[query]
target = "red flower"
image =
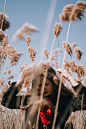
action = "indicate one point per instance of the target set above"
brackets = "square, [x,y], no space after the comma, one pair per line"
[46,116]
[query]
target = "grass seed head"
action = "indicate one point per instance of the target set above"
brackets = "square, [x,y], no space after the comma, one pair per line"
[28,40]
[57,29]
[46,53]
[1,35]
[67,10]
[78,53]
[67,47]
[6,24]
[78,11]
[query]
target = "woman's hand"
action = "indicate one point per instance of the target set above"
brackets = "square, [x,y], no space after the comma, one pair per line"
[33,69]
[66,74]
[26,72]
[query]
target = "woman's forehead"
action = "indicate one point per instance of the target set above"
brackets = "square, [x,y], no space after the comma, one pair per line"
[40,80]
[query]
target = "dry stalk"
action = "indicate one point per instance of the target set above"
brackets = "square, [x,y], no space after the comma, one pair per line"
[3,15]
[59,90]
[5,66]
[43,84]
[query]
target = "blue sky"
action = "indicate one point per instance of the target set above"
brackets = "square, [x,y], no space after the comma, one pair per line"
[37,13]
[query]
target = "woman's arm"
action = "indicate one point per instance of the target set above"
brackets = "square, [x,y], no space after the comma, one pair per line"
[9,99]
[79,101]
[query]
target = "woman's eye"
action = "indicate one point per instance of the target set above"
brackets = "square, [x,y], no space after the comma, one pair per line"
[46,84]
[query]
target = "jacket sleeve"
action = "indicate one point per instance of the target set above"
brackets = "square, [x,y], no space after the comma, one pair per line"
[79,102]
[9,99]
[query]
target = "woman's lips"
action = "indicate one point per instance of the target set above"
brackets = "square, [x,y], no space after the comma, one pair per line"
[45,92]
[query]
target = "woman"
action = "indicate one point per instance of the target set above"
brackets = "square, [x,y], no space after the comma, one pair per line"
[67,99]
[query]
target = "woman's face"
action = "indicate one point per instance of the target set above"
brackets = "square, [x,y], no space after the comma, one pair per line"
[48,87]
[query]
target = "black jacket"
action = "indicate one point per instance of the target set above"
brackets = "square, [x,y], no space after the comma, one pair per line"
[67,102]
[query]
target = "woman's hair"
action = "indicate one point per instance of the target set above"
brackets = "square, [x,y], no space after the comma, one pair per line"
[51,75]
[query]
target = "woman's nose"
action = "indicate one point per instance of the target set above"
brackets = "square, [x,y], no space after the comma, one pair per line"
[45,88]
